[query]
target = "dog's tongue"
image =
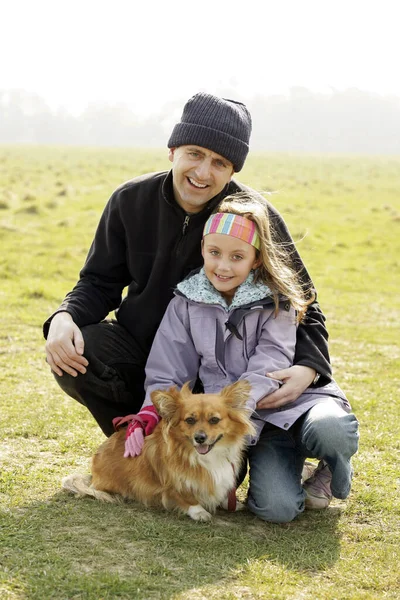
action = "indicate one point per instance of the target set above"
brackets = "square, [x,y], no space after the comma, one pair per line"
[202,448]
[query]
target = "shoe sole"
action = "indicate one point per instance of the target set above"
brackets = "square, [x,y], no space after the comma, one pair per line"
[316,503]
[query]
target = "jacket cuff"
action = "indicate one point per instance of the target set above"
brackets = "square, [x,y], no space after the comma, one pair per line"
[321,370]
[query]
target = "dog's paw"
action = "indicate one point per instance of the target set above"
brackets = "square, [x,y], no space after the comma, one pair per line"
[198,513]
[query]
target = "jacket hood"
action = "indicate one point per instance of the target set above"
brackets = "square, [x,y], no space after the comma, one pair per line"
[198,288]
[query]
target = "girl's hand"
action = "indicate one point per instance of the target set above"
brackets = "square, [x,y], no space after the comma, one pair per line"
[142,424]
[294,380]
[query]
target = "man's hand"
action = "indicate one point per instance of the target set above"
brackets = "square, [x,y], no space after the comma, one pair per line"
[65,345]
[295,380]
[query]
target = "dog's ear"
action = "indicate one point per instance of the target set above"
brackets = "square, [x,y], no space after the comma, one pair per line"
[186,392]
[166,402]
[236,396]
[237,393]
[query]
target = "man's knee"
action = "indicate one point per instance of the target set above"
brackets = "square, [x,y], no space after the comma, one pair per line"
[66,382]
[73,386]
[105,397]
[113,384]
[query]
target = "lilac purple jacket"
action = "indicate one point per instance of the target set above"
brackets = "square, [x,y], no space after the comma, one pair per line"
[201,336]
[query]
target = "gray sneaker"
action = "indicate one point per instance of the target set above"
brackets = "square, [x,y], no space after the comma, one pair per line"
[318,487]
[308,470]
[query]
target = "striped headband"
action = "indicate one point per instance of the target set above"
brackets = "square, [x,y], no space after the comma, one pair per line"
[234,225]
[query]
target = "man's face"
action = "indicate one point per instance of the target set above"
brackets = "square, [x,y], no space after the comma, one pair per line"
[198,175]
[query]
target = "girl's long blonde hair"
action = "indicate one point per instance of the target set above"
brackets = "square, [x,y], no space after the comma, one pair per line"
[276,269]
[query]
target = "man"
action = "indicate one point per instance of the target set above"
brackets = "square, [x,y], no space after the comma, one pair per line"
[148,239]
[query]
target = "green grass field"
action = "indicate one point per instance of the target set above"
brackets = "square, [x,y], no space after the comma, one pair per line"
[345,214]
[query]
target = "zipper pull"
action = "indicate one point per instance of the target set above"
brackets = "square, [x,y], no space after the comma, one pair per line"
[185,224]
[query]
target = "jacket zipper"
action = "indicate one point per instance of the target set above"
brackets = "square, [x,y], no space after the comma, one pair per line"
[184,228]
[185,224]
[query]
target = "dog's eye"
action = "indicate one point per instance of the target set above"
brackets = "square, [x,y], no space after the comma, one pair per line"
[190,420]
[214,420]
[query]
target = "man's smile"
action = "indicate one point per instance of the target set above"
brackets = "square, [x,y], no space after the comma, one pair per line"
[196,184]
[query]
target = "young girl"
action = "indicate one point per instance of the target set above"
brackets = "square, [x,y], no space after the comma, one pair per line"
[235,319]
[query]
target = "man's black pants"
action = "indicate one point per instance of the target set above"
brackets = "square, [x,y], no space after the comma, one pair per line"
[113,385]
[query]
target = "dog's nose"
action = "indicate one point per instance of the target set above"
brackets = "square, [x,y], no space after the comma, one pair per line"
[200,437]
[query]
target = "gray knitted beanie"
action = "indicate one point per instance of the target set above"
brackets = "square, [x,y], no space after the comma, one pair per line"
[218,124]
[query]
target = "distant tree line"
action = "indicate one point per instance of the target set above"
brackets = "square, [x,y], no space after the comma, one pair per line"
[350,121]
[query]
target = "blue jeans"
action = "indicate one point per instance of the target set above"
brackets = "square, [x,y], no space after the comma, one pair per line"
[326,432]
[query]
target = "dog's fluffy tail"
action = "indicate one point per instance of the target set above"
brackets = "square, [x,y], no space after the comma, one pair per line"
[81,486]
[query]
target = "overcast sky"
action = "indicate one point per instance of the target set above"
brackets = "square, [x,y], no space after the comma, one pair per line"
[146,53]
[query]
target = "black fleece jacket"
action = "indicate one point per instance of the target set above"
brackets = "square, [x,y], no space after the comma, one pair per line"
[145,242]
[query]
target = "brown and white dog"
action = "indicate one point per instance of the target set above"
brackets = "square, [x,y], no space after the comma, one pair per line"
[188,463]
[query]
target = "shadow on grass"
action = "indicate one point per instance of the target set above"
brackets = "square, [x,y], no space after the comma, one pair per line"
[79,548]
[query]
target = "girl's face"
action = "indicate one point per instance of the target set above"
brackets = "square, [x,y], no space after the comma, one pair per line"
[227,262]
